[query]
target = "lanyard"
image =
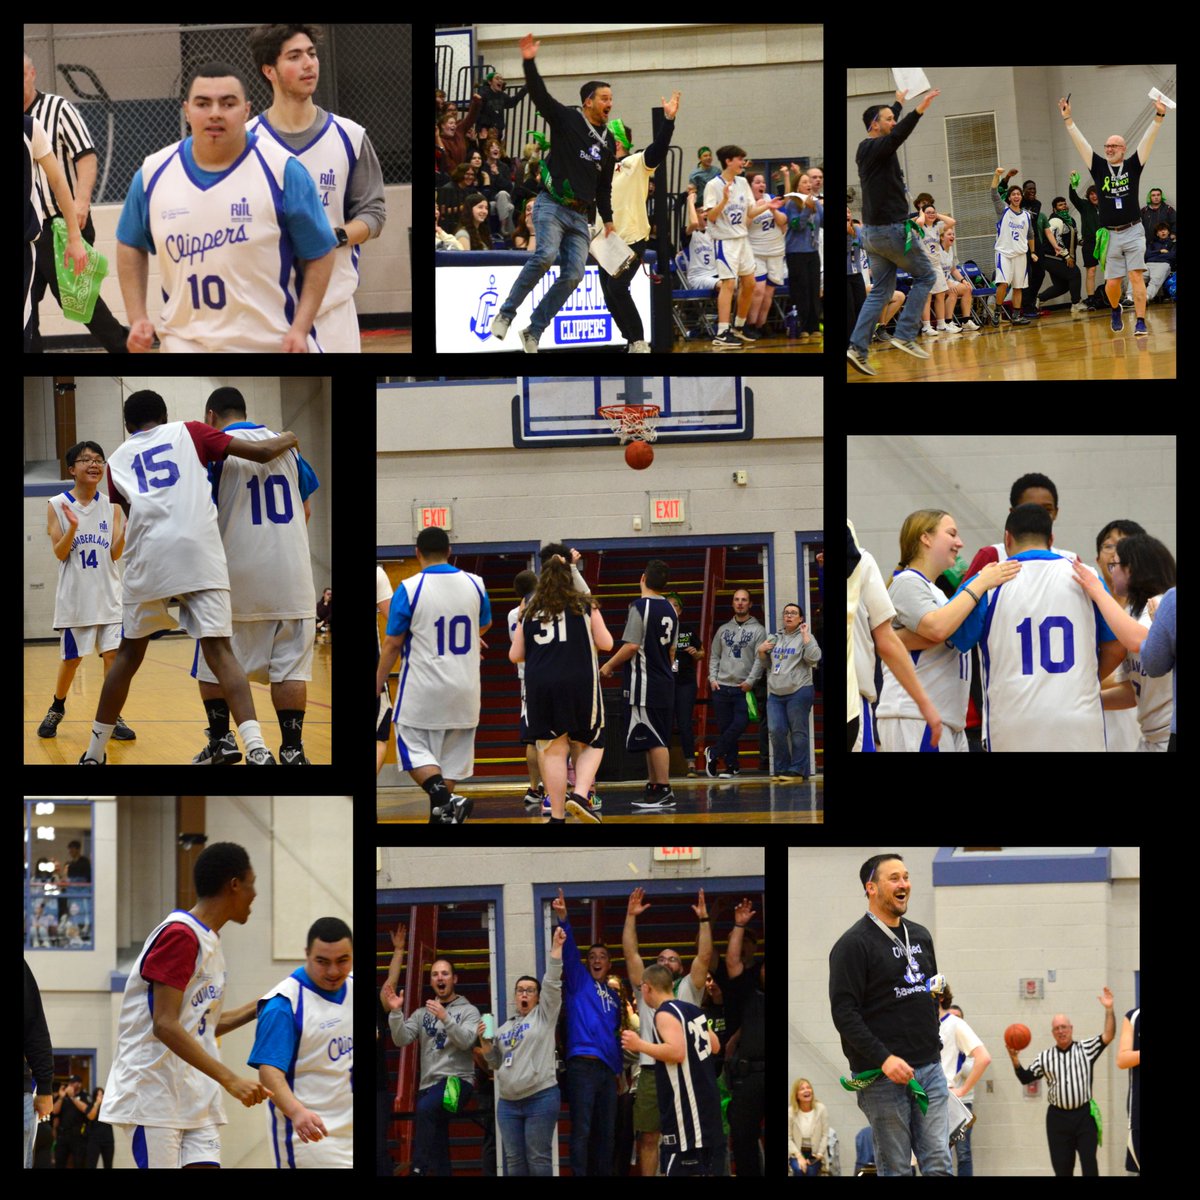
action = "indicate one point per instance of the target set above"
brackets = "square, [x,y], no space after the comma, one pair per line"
[905,946]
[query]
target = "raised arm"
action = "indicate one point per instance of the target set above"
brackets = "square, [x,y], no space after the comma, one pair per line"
[1081,143]
[629,942]
[703,962]
[1143,150]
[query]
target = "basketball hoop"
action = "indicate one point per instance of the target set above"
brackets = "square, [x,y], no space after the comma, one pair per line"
[632,421]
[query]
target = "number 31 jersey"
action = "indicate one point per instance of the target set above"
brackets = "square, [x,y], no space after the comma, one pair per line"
[172,543]
[1041,690]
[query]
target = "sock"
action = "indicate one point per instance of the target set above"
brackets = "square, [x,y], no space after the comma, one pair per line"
[251,736]
[218,717]
[60,704]
[291,725]
[722,327]
[439,793]
[100,736]
[557,821]
[739,322]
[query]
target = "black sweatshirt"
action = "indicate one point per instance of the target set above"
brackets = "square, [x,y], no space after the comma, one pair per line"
[876,1010]
[883,197]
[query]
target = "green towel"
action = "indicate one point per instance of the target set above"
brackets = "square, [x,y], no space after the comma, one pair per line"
[79,292]
[863,1080]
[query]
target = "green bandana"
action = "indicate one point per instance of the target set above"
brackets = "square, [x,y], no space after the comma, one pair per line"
[864,1079]
[543,144]
[617,126]
[1101,247]
[1096,1118]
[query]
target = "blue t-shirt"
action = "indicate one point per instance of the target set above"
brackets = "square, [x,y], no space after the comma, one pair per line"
[276,1035]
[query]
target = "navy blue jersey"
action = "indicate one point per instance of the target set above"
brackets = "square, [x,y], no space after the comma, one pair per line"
[689,1105]
[653,627]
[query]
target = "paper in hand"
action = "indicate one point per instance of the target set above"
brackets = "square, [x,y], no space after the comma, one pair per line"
[613,255]
[910,80]
[1155,94]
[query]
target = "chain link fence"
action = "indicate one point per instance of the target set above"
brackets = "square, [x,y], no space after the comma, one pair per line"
[127,82]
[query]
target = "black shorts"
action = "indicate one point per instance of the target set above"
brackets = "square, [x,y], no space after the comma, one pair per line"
[552,711]
[648,729]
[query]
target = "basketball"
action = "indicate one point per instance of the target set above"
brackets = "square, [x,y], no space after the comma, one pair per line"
[1017,1037]
[639,455]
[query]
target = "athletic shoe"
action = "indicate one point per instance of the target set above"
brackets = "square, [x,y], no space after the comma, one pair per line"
[582,807]
[1079,310]
[929,331]
[1021,319]
[910,348]
[293,756]
[122,732]
[500,328]
[534,796]
[220,751]
[656,799]
[859,359]
[727,341]
[881,338]
[710,768]
[1139,329]
[639,347]
[546,810]
[262,757]
[952,328]
[49,727]
[1117,324]
[84,761]
[740,334]
[752,333]
[1126,301]
[596,802]
[454,813]
[529,342]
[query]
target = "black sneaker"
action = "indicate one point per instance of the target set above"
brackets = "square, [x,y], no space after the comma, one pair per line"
[49,726]
[727,341]
[293,756]
[262,757]
[122,732]
[656,799]
[84,761]
[454,813]
[583,808]
[710,768]
[219,752]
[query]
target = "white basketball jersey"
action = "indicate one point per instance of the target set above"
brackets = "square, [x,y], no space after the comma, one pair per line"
[732,221]
[172,544]
[261,518]
[322,1076]
[1013,236]
[1155,696]
[149,1084]
[942,671]
[330,159]
[226,259]
[1038,650]
[766,238]
[89,584]
[439,681]
[1003,554]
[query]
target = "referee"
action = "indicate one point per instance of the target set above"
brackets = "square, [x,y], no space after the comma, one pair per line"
[72,147]
[1070,1126]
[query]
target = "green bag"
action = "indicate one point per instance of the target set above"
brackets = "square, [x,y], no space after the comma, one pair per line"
[450,1094]
[80,292]
[1099,1123]
[752,705]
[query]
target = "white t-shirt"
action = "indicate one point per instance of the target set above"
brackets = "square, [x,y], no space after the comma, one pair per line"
[732,223]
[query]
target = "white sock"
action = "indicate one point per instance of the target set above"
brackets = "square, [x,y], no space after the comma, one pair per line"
[100,736]
[251,736]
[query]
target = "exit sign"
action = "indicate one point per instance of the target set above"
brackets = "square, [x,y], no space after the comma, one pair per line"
[677,853]
[667,510]
[429,516]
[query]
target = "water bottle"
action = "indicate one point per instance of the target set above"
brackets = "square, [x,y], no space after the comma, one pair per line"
[793,322]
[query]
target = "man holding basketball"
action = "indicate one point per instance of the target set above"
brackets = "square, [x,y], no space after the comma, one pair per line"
[1117,177]
[881,972]
[1071,1124]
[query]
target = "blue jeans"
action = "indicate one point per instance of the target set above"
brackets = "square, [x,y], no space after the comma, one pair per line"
[557,228]
[884,245]
[431,1128]
[788,717]
[729,707]
[898,1128]
[592,1095]
[527,1127]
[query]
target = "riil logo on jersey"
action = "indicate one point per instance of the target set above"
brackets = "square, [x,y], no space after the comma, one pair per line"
[239,212]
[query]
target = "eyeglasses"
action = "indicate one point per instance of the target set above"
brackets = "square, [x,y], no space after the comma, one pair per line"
[87,462]
[1114,145]
[527,991]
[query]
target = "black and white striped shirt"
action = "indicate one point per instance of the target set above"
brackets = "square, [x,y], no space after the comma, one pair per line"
[69,137]
[1069,1072]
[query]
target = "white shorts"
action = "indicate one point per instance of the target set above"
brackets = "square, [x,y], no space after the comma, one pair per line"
[157,1148]
[201,614]
[904,735]
[269,651]
[172,343]
[734,257]
[337,329]
[1012,269]
[770,269]
[80,640]
[288,1152]
[453,750]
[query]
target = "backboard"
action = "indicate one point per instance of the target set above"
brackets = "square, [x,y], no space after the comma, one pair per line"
[564,411]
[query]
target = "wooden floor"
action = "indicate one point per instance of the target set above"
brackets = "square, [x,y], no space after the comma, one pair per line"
[163,708]
[1058,346]
[755,801]
[767,345]
[374,341]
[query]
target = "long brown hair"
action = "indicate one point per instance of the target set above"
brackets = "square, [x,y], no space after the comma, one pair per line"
[924,520]
[555,594]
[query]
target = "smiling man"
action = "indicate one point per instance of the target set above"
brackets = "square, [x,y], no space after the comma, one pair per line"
[304,1052]
[880,975]
[164,1087]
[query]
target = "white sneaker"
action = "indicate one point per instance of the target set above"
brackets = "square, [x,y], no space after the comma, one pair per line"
[639,348]
[948,329]
[500,328]
[929,331]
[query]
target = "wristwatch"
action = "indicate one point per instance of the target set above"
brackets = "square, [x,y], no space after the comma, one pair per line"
[342,238]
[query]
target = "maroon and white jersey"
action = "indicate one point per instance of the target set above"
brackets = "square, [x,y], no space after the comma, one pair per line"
[172,544]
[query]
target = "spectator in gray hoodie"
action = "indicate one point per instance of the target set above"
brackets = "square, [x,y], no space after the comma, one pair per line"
[523,1053]
[445,1031]
[733,670]
[790,656]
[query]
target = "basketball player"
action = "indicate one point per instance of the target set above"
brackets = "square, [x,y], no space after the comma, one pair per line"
[524,584]
[437,703]
[175,552]
[729,205]
[383,720]
[578,180]
[338,155]
[262,512]
[1042,642]
[650,637]
[164,1086]
[304,1052]
[689,1104]
[234,219]
[1117,177]
[557,640]
[1014,233]
[87,535]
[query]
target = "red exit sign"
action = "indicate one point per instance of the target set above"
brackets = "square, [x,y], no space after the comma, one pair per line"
[429,516]
[676,853]
[667,510]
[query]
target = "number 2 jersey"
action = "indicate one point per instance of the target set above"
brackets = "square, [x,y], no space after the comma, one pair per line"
[1039,636]
[172,543]
[147,1083]
[689,1104]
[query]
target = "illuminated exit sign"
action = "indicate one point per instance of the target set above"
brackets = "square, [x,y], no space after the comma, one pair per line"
[428,516]
[668,510]
[677,853]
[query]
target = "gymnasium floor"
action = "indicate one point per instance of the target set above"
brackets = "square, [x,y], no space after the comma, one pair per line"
[702,801]
[163,707]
